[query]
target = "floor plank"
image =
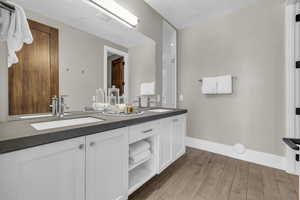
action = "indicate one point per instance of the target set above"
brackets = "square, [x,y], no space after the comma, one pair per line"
[226,180]
[208,189]
[240,182]
[201,175]
[255,183]
[270,185]
[193,185]
[286,188]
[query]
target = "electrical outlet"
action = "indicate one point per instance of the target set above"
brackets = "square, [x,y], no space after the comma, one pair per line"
[181,98]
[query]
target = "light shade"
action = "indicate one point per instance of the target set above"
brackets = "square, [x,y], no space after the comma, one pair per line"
[117,12]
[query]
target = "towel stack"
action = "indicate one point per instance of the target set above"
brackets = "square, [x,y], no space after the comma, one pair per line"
[139,151]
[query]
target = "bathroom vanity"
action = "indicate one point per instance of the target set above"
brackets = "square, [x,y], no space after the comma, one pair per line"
[87,161]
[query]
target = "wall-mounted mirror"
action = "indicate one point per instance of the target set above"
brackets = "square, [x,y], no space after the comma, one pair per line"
[76,50]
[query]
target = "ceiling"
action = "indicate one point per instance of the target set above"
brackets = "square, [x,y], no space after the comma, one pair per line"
[184,13]
[82,16]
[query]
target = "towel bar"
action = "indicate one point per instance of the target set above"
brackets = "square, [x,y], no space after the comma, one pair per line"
[7,6]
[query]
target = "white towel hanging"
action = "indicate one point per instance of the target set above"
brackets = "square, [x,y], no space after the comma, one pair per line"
[209,85]
[18,33]
[224,84]
[5,21]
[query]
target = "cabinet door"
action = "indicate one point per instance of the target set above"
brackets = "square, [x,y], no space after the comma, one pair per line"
[107,165]
[47,172]
[165,144]
[178,138]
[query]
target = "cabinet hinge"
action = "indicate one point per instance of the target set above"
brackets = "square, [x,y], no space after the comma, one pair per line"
[297,111]
[298,18]
[297,64]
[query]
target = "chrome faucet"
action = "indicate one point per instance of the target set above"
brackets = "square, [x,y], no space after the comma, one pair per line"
[139,101]
[54,106]
[149,101]
[59,106]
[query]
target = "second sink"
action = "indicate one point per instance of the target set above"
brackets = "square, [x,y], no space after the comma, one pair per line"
[64,123]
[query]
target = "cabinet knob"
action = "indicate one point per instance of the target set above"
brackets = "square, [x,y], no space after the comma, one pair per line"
[92,144]
[81,147]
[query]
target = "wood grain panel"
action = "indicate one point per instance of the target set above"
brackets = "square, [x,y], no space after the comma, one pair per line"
[34,80]
[117,78]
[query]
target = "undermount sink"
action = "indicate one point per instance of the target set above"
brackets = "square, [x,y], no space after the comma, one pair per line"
[64,123]
[160,110]
[38,116]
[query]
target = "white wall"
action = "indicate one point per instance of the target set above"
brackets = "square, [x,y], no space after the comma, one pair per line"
[142,67]
[248,44]
[78,51]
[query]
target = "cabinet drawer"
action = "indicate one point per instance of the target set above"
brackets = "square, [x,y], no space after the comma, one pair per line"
[141,131]
[177,118]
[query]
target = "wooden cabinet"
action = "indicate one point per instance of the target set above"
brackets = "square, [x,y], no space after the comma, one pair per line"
[107,165]
[48,172]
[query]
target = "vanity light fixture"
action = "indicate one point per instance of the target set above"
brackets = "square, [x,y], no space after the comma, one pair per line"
[114,10]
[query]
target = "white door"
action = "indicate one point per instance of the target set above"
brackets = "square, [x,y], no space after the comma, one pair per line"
[107,165]
[179,131]
[165,143]
[48,172]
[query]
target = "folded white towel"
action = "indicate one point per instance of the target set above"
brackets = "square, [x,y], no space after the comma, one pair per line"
[209,85]
[139,157]
[138,147]
[18,33]
[224,84]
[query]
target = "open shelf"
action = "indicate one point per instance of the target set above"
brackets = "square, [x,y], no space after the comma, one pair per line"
[143,171]
[131,167]
[139,176]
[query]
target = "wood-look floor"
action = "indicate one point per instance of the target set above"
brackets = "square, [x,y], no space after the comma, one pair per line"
[202,175]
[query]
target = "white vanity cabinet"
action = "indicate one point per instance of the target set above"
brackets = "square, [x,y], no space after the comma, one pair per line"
[92,167]
[47,172]
[178,136]
[171,133]
[107,165]
[165,144]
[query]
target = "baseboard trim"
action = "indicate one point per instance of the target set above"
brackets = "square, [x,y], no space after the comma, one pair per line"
[261,158]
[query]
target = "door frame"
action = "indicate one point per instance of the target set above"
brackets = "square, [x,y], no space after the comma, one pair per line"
[126,68]
[291,94]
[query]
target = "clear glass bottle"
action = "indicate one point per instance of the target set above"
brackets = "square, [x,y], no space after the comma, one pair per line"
[113,95]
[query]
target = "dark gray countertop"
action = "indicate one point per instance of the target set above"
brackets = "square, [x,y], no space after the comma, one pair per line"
[18,134]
